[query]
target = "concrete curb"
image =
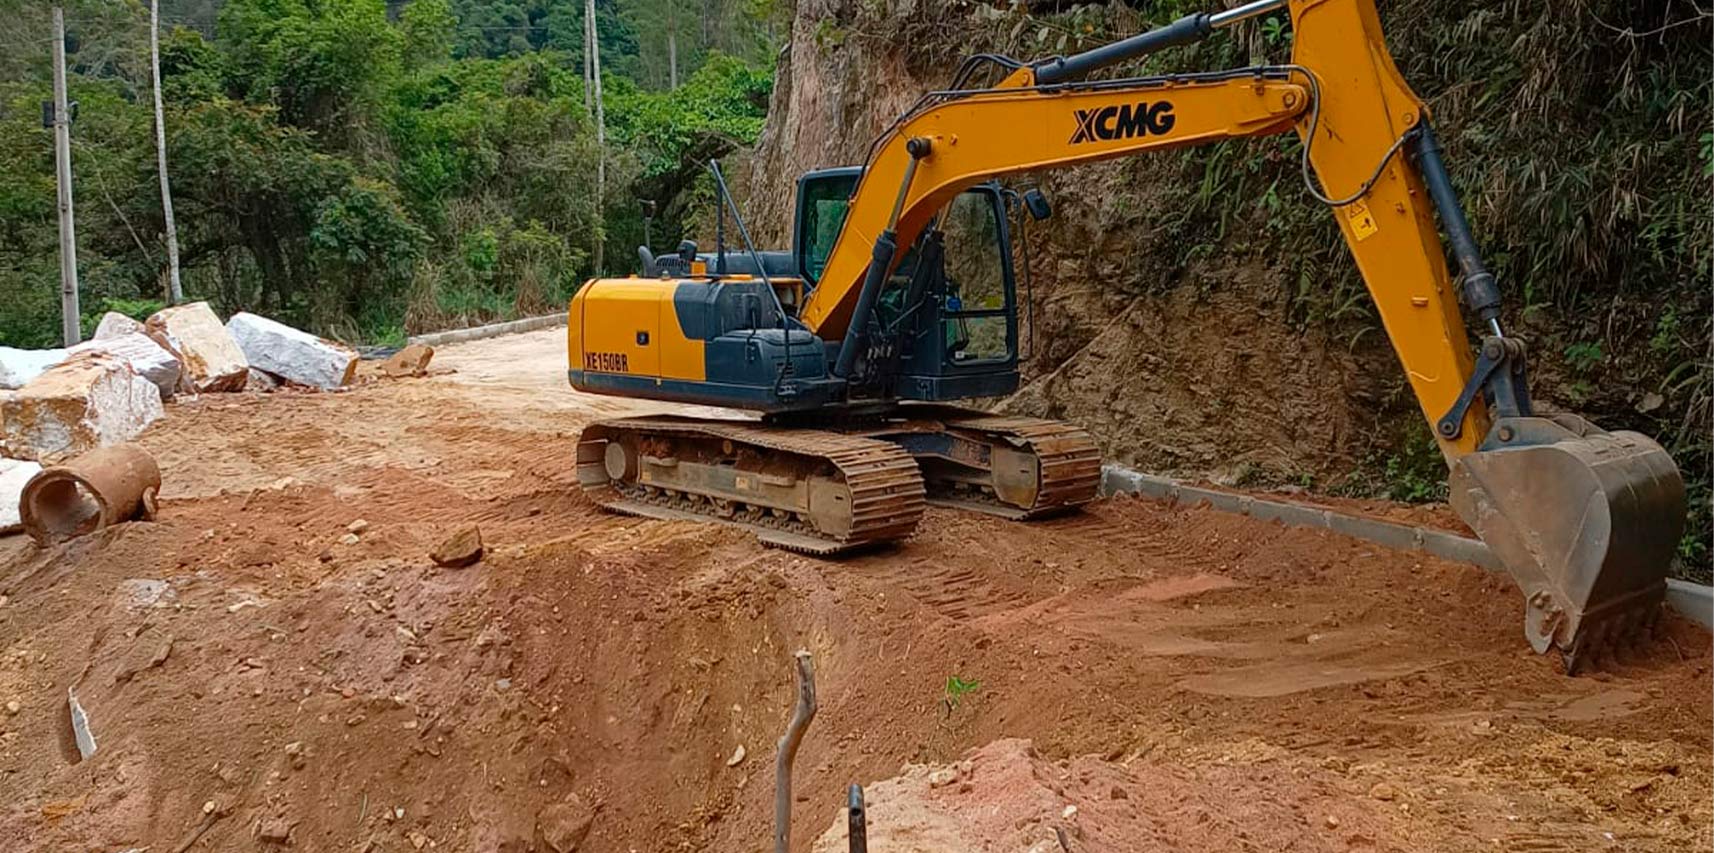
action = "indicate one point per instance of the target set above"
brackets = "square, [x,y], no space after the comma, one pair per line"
[1693,600]
[492,330]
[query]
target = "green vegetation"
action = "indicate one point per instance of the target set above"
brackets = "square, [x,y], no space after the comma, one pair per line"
[958,688]
[358,174]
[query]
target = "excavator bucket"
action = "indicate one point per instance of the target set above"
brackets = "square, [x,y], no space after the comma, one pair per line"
[1586,521]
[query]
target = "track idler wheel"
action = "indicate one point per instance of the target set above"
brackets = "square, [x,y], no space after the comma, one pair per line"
[1586,521]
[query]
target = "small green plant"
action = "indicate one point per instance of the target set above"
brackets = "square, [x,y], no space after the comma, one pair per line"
[958,688]
[1583,356]
[1666,331]
[1416,472]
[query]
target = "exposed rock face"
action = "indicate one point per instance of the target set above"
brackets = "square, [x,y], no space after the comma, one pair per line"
[146,356]
[114,325]
[91,400]
[19,366]
[210,358]
[290,354]
[14,473]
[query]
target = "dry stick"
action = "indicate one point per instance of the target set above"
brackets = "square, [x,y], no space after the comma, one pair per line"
[196,834]
[788,751]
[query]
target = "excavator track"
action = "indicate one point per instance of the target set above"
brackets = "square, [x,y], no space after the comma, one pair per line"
[806,490]
[1058,464]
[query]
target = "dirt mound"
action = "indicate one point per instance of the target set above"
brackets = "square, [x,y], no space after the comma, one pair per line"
[1006,796]
[315,678]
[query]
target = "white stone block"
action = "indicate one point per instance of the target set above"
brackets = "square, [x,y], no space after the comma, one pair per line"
[290,354]
[91,400]
[19,366]
[115,325]
[14,473]
[209,357]
[146,356]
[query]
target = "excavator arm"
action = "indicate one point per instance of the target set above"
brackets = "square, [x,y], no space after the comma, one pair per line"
[1586,521]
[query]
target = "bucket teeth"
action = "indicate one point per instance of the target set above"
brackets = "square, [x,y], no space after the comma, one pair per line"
[1601,640]
[1586,522]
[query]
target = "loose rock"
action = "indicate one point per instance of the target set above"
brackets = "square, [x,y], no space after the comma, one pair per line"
[19,366]
[81,733]
[260,381]
[460,549]
[565,825]
[1384,791]
[293,355]
[737,757]
[410,361]
[14,473]
[212,361]
[91,400]
[146,356]
[276,830]
[116,325]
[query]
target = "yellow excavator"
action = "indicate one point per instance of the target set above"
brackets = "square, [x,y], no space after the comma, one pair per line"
[898,297]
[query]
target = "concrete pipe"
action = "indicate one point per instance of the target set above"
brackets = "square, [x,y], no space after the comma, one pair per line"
[105,486]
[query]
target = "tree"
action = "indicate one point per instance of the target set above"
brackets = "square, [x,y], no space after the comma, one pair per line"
[175,290]
[593,45]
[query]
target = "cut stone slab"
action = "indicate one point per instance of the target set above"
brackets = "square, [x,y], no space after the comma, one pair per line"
[14,473]
[146,356]
[91,400]
[19,366]
[291,354]
[211,360]
[410,361]
[460,549]
[115,325]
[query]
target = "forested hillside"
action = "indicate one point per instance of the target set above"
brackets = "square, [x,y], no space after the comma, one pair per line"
[359,167]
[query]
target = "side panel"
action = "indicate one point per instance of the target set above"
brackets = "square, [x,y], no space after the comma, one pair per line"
[621,326]
[682,355]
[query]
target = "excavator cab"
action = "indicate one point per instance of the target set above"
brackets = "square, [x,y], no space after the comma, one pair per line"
[945,324]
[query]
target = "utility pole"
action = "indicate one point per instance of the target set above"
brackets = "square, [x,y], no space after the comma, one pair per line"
[600,135]
[69,323]
[175,292]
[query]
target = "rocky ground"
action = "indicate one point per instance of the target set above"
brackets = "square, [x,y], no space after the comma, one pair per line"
[276,664]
